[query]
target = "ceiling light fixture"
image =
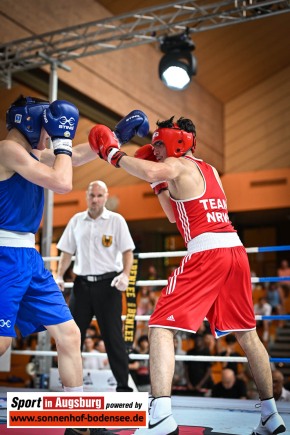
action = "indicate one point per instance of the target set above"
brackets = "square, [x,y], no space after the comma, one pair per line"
[178,64]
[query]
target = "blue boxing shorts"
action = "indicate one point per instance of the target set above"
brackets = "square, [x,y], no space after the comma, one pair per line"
[29,295]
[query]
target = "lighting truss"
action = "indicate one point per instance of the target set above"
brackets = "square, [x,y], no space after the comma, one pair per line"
[131,29]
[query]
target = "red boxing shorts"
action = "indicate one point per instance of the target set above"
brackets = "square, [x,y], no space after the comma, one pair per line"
[215,284]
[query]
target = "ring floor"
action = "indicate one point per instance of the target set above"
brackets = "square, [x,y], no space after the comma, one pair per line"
[194,415]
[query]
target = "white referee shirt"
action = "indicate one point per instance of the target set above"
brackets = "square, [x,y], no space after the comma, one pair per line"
[98,244]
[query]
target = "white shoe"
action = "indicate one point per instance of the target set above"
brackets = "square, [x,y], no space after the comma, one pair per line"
[272,425]
[165,426]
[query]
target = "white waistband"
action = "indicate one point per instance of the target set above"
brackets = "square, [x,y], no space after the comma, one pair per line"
[15,239]
[207,241]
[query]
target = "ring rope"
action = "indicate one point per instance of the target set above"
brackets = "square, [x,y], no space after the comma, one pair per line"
[238,359]
[163,282]
[144,318]
[182,253]
[148,255]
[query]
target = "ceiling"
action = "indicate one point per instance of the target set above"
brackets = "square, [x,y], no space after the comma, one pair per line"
[235,58]
[231,60]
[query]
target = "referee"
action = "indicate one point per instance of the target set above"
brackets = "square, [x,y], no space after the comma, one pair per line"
[103,249]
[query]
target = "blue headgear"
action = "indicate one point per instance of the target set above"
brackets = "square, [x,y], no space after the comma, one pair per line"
[25,114]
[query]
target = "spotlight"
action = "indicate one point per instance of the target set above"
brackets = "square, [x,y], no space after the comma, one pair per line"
[178,65]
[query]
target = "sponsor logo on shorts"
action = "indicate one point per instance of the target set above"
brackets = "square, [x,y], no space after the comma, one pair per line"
[171,318]
[4,323]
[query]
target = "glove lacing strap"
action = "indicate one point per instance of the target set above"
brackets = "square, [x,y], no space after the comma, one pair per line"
[62,146]
[114,156]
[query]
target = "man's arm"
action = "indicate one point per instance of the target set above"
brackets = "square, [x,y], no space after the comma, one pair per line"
[58,178]
[135,123]
[63,265]
[121,281]
[81,154]
[166,205]
[128,259]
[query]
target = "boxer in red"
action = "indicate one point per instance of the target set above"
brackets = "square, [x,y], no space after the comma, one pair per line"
[213,280]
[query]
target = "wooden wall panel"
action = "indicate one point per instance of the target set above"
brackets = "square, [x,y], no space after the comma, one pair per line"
[259,190]
[257,127]
[133,202]
[251,191]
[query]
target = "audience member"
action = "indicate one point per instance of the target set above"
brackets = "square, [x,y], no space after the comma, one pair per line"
[230,350]
[279,390]
[230,387]
[211,343]
[275,297]
[179,382]
[143,299]
[198,373]
[253,275]
[283,271]
[246,376]
[263,308]
[101,348]
[153,276]
[92,331]
[89,362]
[139,369]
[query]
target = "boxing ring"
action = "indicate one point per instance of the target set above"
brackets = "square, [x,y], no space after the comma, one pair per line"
[195,415]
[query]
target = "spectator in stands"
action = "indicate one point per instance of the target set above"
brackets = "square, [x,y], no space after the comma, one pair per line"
[153,276]
[89,362]
[179,378]
[275,297]
[230,350]
[198,373]
[279,390]
[211,343]
[139,369]
[230,387]
[283,271]
[143,299]
[101,348]
[253,275]
[146,300]
[92,331]
[263,308]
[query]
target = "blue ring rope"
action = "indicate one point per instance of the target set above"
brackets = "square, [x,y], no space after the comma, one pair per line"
[277,317]
[277,360]
[270,279]
[268,249]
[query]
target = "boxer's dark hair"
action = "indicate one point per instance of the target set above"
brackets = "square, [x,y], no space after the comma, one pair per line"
[183,123]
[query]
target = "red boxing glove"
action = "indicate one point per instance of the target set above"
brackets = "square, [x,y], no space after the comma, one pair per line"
[146,153]
[103,142]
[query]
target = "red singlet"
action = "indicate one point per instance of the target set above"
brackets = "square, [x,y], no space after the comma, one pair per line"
[213,279]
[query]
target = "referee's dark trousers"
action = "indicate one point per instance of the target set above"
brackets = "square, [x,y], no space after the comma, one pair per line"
[93,296]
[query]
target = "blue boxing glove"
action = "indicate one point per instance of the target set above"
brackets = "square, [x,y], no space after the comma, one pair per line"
[136,122]
[60,120]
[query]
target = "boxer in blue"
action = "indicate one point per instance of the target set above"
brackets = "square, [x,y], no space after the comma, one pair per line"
[29,295]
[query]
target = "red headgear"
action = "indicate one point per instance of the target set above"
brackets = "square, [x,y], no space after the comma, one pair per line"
[177,142]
